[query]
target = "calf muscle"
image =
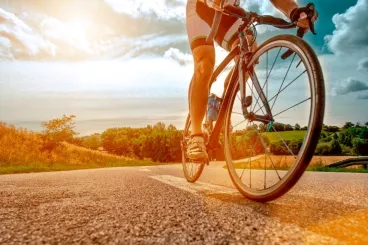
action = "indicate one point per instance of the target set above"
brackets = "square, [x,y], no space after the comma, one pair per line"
[204,59]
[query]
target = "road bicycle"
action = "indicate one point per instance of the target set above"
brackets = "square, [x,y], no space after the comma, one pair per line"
[272,92]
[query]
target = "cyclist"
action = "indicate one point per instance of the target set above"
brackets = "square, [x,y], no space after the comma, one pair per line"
[199,17]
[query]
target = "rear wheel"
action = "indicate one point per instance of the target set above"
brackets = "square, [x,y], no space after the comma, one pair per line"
[192,170]
[266,158]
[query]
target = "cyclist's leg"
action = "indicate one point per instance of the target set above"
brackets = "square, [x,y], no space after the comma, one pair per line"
[204,59]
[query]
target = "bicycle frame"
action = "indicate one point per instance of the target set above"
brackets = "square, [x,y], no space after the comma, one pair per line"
[243,55]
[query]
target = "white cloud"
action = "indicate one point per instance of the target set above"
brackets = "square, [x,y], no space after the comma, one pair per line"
[22,38]
[178,56]
[351,33]
[5,49]
[162,9]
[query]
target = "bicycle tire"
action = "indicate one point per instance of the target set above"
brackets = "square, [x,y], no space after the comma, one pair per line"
[316,81]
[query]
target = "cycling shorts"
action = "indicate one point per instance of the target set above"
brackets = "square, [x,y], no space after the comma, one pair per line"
[199,18]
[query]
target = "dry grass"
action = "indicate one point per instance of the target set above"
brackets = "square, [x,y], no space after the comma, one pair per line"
[281,162]
[22,151]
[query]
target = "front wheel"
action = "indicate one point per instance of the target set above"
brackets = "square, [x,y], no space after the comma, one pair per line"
[265,158]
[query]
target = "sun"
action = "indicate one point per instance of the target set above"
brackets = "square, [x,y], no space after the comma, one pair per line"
[78,31]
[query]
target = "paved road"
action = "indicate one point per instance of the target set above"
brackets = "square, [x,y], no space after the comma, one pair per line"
[155,205]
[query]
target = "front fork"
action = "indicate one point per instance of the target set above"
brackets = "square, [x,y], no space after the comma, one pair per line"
[246,101]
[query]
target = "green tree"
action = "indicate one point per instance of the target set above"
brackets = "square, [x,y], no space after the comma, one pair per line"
[297,126]
[360,146]
[335,148]
[348,125]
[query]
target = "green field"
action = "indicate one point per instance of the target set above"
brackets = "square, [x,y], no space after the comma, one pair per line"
[286,135]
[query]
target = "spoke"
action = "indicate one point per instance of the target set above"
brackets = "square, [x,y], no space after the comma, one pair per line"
[241,176]
[287,72]
[273,165]
[292,106]
[288,148]
[250,162]
[283,89]
[242,136]
[268,75]
[238,98]
[237,113]
[255,96]
[240,123]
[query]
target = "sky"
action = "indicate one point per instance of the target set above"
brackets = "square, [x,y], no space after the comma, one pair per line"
[116,63]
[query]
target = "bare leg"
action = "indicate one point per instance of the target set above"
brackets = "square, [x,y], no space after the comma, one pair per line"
[204,61]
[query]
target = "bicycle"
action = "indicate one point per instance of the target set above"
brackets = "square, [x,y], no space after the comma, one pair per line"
[246,102]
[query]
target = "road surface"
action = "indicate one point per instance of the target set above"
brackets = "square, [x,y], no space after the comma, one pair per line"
[155,205]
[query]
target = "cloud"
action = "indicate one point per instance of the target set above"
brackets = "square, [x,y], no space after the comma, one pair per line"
[362,97]
[363,64]
[178,56]
[19,39]
[36,36]
[349,86]
[161,9]
[351,33]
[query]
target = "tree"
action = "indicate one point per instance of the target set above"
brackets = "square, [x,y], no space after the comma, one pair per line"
[92,142]
[288,127]
[58,130]
[335,148]
[332,129]
[297,127]
[348,125]
[360,146]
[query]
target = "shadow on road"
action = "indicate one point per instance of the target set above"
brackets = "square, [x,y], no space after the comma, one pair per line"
[303,211]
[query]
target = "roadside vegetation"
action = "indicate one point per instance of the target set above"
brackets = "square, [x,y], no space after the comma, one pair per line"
[58,146]
[54,149]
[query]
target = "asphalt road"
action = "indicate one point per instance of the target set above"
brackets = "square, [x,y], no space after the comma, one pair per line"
[155,205]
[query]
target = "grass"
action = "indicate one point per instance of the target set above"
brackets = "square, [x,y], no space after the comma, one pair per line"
[327,169]
[318,163]
[286,135]
[22,151]
[41,167]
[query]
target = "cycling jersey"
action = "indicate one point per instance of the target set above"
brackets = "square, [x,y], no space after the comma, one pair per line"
[199,18]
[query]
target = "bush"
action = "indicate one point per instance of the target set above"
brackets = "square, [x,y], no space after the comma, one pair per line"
[323,148]
[360,146]
[328,148]
[279,148]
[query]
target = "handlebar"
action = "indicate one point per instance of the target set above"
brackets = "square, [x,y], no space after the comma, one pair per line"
[216,22]
[261,19]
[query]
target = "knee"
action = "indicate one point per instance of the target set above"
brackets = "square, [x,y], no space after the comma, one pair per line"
[204,67]
[204,61]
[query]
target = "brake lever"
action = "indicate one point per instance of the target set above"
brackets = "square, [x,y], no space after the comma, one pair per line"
[310,15]
[301,31]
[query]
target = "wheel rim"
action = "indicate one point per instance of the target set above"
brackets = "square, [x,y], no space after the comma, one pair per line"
[258,172]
